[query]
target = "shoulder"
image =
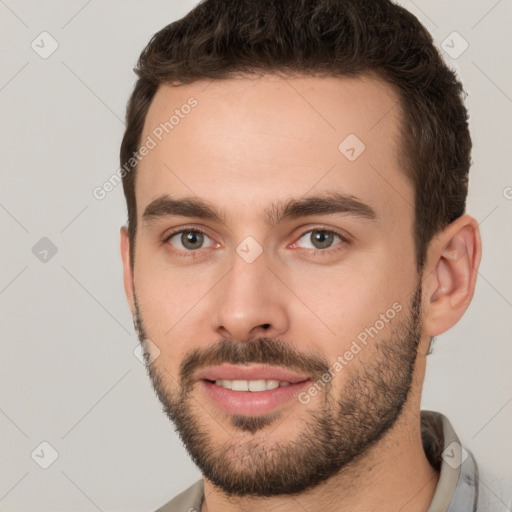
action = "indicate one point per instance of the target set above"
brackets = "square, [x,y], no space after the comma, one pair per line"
[494,495]
[187,501]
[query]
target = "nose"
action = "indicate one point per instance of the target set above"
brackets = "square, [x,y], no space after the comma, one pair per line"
[250,302]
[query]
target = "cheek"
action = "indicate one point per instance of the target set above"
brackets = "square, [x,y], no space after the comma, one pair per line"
[345,301]
[167,297]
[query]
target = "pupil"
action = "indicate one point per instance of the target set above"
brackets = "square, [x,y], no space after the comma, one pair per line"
[191,239]
[322,238]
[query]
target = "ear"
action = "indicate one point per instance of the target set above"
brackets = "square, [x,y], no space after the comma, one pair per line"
[450,274]
[127,268]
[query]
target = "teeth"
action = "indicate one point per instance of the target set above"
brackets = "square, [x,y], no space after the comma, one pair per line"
[251,385]
[228,384]
[254,385]
[239,385]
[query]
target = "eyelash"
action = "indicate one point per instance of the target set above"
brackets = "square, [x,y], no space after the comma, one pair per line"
[315,253]
[344,241]
[180,252]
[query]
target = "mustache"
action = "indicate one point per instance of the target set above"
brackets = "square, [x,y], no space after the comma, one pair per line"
[269,351]
[263,350]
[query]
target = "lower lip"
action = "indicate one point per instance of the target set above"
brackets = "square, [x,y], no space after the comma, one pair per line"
[251,403]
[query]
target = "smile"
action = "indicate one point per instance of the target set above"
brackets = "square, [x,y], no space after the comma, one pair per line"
[251,385]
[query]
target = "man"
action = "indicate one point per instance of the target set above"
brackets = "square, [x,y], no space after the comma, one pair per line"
[296,176]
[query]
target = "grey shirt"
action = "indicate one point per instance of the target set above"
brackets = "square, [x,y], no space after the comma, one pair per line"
[457,489]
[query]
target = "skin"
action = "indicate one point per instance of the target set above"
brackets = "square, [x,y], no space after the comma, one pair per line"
[251,143]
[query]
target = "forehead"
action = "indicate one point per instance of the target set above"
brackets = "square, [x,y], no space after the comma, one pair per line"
[246,143]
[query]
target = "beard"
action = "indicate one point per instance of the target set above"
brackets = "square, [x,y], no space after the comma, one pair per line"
[335,435]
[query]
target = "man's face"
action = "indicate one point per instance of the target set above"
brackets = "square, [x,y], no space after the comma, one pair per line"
[331,296]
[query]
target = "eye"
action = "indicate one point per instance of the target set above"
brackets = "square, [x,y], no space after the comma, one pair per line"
[320,239]
[188,239]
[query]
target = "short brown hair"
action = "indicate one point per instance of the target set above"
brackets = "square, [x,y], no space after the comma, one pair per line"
[229,38]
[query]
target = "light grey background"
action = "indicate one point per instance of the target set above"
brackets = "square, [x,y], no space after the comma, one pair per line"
[68,373]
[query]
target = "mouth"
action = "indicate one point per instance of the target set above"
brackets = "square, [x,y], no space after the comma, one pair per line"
[253,390]
[255,386]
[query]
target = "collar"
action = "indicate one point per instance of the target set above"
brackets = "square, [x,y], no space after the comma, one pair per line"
[457,489]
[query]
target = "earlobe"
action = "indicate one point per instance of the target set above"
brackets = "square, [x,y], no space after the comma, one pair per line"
[450,284]
[127,268]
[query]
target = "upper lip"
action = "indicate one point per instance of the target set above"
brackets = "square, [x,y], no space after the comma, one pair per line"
[253,372]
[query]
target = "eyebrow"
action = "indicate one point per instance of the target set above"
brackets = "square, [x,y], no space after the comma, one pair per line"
[329,203]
